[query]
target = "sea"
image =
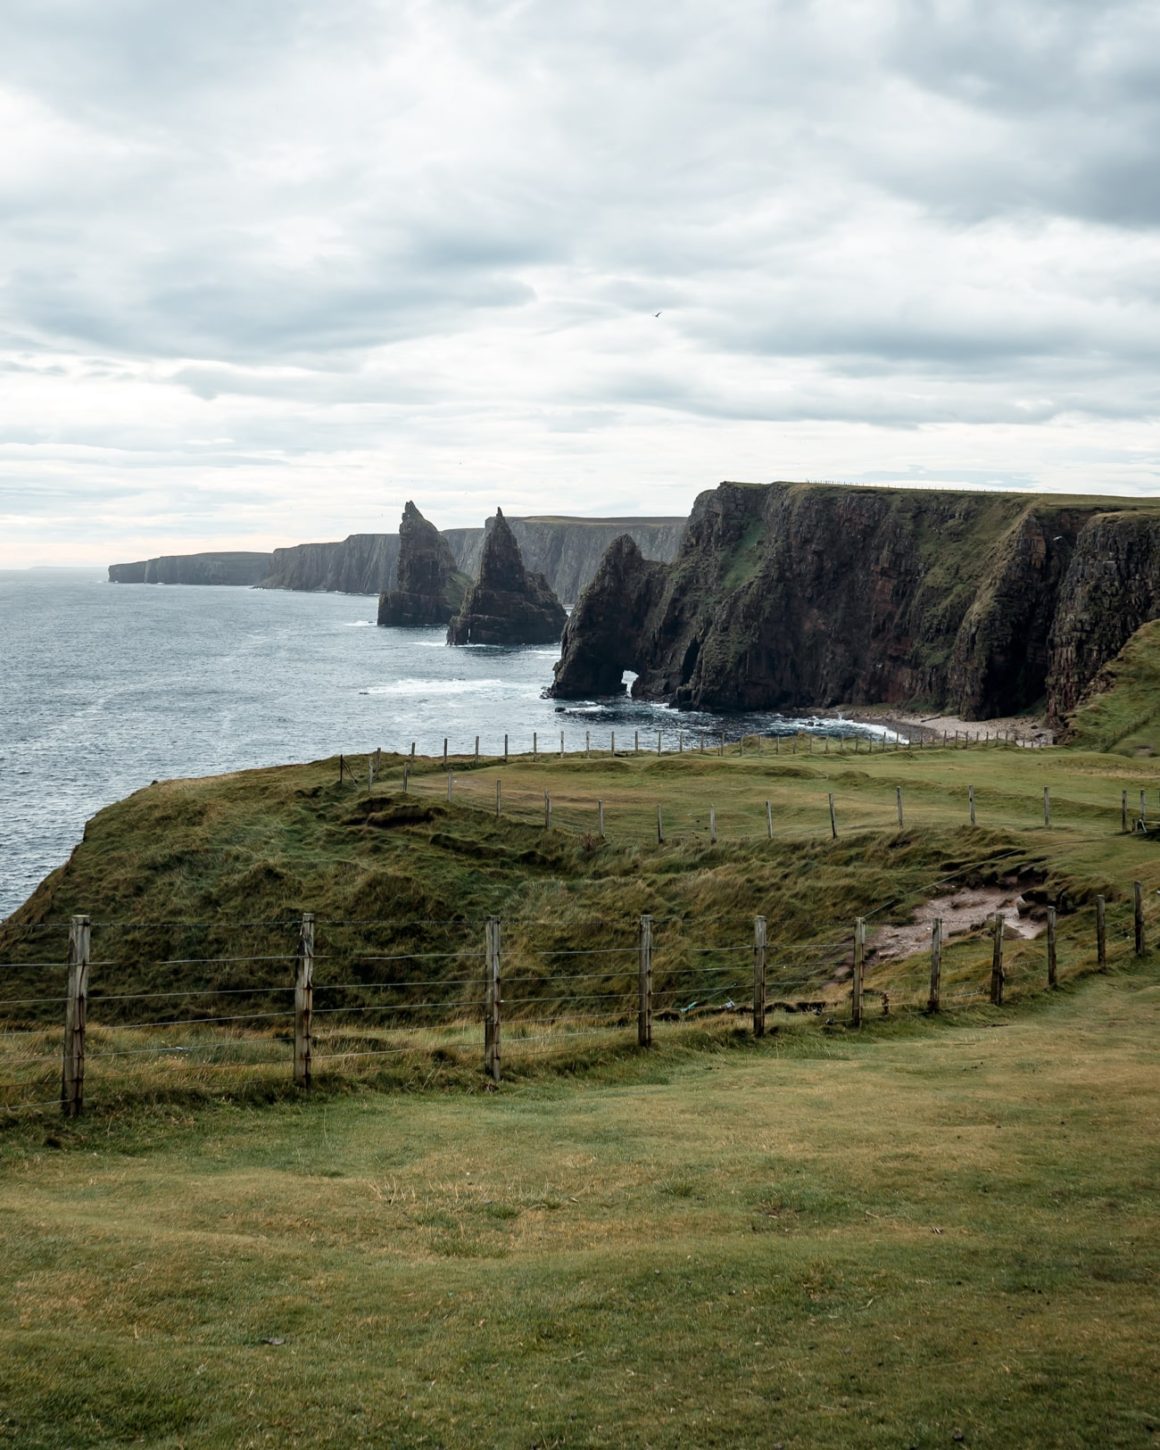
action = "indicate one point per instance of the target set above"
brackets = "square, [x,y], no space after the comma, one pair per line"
[107,687]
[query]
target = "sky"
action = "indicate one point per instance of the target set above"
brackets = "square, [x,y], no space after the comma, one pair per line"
[269,268]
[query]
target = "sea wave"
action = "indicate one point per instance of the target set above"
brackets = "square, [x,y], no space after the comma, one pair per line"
[432,687]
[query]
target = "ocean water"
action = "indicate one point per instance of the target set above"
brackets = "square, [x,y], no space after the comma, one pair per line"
[104,688]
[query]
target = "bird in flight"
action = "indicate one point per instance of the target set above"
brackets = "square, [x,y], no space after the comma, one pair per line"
[656,314]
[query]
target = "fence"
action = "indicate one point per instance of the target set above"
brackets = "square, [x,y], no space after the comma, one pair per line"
[544,746]
[493,995]
[859,809]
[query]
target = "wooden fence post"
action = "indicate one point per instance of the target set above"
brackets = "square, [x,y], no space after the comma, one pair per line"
[304,1002]
[498,798]
[833,819]
[769,819]
[370,773]
[759,976]
[935,964]
[636,742]
[660,828]
[898,803]
[445,752]
[406,775]
[547,811]
[1046,806]
[535,745]
[341,768]
[600,818]
[1138,898]
[450,780]
[997,959]
[680,742]
[492,1000]
[477,747]
[612,744]
[1143,809]
[859,966]
[505,749]
[1124,811]
[1101,933]
[1051,958]
[587,744]
[561,745]
[644,985]
[712,825]
[971,802]
[658,742]
[72,1080]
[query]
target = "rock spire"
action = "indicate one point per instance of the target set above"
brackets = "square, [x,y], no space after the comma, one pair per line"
[430,588]
[507,604]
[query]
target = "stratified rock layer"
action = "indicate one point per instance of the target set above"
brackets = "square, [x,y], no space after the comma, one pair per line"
[508,604]
[430,588]
[789,595]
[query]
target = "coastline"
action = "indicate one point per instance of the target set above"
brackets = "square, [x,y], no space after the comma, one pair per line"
[1027,729]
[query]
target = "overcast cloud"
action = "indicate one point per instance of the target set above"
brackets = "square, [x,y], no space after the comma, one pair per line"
[268,268]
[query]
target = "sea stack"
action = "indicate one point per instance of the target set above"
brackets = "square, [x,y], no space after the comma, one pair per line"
[601,638]
[508,604]
[430,589]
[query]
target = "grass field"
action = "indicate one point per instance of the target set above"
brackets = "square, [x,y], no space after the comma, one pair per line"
[927,1234]
[925,1230]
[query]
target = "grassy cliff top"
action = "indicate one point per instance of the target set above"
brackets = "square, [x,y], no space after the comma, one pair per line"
[1121,711]
[216,868]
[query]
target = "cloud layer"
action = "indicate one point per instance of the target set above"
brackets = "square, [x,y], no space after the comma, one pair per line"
[269,267]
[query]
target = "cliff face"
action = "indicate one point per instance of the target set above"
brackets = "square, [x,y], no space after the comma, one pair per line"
[1112,587]
[593,637]
[430,589]
[508,604]
[238,568]
[359,564]
[795,594]
[566,551]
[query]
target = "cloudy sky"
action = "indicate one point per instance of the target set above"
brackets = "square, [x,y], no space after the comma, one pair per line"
[268,268]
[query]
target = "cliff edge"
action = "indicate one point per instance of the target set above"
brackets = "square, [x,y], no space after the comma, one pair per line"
[786,595]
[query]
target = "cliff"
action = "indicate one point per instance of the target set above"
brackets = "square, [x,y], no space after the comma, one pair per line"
[430,590]
[1120,709]
[239,568]
[359,564]
[508,604]
[566,551]
[787,595]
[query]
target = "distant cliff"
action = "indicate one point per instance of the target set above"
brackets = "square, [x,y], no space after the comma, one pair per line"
[226,568]
[788,595]
[566,551]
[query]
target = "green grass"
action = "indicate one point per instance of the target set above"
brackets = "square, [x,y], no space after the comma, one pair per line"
[1122,711]
[923,1232]
[925,1229]
[204,872]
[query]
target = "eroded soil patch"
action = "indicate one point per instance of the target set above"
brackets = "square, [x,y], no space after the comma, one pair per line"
[967,910]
